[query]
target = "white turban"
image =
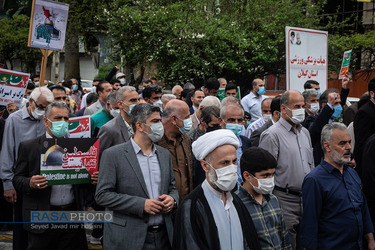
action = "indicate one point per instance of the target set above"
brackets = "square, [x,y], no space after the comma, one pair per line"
[211,140]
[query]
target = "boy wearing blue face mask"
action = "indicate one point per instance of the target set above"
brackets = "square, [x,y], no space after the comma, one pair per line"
[258,167]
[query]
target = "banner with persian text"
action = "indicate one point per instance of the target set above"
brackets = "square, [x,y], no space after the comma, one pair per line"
[12,86]
[306,57]
[69,160]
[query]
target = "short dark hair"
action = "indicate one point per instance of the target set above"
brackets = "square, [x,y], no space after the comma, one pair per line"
[324,97]
[184,93]
[99,87]
[57,87]
[208,112]
[275,104]
[30,86]
[91,98]
[148,90]
[256,159]
[230,86]
[114,81]
[371,85]
[141,112]
[67,84]
[308,83]
[212,83]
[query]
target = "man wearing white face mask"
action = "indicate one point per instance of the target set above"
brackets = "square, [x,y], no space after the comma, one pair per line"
[136,182]
[211,217]
[258,168]
[311,106]
[290,143]
[106,114]
[177,122]
[266,116]
[25,124]
[118,130]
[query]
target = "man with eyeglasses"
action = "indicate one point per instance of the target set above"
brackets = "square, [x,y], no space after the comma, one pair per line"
[25,124]
[232,117]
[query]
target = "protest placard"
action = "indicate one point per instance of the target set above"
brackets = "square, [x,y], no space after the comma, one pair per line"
[79,127]
[221,93]
[12,86]
[48,25]
[306,57]
[344,71]
[69,160]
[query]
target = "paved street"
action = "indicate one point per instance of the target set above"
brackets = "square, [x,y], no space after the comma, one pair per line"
[6,238]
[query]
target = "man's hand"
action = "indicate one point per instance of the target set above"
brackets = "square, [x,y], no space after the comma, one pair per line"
[168,202]
[117,68]
[94,178]
[153,206]
[332,97]
[345,82]
[370,241]
[38,182]
[10,195]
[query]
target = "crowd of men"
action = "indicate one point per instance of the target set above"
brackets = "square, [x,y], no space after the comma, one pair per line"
[187,170]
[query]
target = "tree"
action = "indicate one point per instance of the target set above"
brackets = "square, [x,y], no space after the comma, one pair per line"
[13,42]
[193,40]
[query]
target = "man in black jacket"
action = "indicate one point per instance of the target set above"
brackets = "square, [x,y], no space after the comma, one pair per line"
[364,125]
[211,217]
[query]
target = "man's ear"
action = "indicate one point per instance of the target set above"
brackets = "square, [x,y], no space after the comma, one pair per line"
[327,147]
[205,166]
[139,127]
[246,175]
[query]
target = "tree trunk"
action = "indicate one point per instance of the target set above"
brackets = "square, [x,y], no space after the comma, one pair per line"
[71,54]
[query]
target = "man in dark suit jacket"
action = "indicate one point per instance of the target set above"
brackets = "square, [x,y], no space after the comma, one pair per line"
[364,125]
[275,111]
[37,195]
[137,183]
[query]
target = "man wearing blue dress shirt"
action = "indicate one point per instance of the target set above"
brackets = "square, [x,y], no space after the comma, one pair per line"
[335,212]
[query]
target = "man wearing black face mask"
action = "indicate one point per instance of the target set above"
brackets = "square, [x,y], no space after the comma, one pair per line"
[209,121]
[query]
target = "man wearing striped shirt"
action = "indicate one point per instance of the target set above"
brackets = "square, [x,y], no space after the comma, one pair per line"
[257,168]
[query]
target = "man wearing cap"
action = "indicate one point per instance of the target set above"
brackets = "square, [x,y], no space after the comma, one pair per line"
[210,216]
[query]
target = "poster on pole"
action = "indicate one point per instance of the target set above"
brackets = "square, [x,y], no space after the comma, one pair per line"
[12,86]
[79,127]
[69,160]
[306,57]
[221,93]
[48,25]
[344,71]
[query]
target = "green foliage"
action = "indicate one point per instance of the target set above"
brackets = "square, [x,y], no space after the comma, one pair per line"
[360,43]
[193,40]
[13,41]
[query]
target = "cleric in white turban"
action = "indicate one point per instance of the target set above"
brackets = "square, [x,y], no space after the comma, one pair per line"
[211,217]
[211,140]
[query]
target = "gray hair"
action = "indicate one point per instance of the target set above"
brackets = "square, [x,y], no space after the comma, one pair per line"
[141,112]
[229,100]
[167,96]
[37,92]
[169,111]
[189,86]
[223,110]
[326,135]
[174,88]
[61,105]
[309,92]
[210,101]
[111,98]
[120,92]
